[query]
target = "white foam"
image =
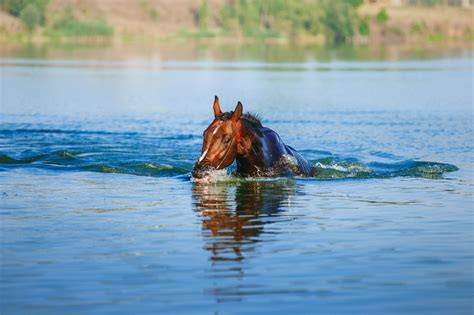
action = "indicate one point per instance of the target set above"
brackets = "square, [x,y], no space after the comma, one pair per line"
[356,167]
[289,160]
[213,177]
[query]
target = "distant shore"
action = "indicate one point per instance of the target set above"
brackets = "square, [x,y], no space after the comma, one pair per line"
[93,24]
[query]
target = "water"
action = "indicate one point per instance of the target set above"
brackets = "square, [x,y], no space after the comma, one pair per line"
[98,214]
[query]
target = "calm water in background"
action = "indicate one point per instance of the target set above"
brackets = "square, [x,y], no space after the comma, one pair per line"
[98,214]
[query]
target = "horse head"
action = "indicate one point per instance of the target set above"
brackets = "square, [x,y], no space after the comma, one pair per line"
[221,140]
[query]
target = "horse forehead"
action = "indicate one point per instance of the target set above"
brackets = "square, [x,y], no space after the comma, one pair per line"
[220,127]
[227,127]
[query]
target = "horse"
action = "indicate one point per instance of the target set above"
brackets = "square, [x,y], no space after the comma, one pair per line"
[258,150]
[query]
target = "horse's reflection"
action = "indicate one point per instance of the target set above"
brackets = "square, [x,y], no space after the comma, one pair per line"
[233,216]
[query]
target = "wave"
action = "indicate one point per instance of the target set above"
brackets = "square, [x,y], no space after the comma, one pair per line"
[69,160]
[328,168]
[144,169]
[63,131]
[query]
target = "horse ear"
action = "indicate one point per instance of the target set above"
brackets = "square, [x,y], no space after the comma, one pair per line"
[237,112]
[217,107]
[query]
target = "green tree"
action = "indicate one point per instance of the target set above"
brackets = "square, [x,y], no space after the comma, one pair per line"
[355,3]
[30,16]
[203,16]
[15,7]
[250,16]
[154,14]
[336,19]
[227,14]
[382,16]
[339,20]
[364,27]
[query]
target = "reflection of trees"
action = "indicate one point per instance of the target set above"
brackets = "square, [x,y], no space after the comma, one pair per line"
[233,226]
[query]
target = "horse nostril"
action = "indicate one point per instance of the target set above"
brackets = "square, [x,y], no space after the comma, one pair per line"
[201,169]
[196,173]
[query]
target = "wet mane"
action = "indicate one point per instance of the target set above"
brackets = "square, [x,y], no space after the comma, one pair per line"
[251,118]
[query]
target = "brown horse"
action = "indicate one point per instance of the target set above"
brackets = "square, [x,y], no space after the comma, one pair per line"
[259,151]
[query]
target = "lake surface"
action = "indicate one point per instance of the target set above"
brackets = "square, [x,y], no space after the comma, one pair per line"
[99,215]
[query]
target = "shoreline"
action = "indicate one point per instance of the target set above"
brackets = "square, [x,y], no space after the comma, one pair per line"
[202,50]
[401,25]
[217,38]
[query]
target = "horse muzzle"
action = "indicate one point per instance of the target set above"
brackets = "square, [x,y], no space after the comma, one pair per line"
[201,170]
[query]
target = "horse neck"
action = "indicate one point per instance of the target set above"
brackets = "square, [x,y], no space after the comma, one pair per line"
[251,151]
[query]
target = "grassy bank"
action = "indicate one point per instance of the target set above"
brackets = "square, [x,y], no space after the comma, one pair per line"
[220,21]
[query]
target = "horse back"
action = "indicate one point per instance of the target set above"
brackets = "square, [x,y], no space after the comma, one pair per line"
[275,149]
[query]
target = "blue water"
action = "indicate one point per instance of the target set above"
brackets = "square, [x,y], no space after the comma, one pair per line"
[98,214]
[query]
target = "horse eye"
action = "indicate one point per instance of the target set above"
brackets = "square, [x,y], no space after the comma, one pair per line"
[226,139]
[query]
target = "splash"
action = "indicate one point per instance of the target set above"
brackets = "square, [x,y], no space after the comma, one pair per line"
[214,176]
